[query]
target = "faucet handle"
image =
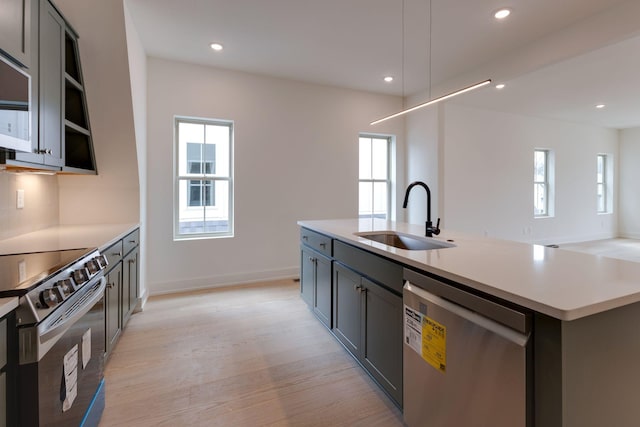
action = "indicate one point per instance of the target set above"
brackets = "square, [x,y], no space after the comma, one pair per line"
[436,230]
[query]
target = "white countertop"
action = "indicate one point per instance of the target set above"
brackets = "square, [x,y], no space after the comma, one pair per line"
[66,237]
[562,284]
[61,237]
[7,305]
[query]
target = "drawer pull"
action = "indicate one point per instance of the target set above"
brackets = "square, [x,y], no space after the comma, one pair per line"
[132,241]
[323,245]
[117,254]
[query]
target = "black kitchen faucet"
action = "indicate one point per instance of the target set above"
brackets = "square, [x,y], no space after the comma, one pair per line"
[430,230]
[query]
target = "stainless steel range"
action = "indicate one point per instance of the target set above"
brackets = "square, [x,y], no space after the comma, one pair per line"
[60,322]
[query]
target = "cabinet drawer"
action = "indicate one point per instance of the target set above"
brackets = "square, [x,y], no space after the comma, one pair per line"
[316,241]
[373,266]
[131,241]
[113,253]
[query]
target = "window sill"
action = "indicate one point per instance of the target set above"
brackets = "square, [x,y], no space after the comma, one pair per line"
[202,237]
[543,216]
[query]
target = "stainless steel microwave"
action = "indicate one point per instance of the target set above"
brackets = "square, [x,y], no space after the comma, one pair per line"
[15,107]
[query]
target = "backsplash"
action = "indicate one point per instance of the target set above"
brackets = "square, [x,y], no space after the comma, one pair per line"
[41,209]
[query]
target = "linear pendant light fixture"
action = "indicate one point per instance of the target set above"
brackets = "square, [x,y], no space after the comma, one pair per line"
[435,100]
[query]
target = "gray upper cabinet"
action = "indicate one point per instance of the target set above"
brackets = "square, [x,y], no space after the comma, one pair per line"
[61,135]
[15,30]
[78,142]
[52,30]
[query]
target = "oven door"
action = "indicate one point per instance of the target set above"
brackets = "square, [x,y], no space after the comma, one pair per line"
[59,388]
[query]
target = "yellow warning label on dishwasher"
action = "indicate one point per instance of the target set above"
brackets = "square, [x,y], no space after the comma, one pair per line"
[434,343]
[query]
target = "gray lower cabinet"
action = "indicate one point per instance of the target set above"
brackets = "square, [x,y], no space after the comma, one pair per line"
[367,320]
[130,276]
[122,293]
[113,307]
[358,296]
[307,275]
[315,273]
[315,283]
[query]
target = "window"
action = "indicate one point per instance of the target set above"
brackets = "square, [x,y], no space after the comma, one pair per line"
[201,159]
[375,185]
[601,183]
[541,183]
[203,205]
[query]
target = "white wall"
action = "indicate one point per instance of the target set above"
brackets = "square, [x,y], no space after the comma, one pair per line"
[296,157]
[488,176]
[40,203]
[113,195]
[423,159]
[629,204]
[138,75]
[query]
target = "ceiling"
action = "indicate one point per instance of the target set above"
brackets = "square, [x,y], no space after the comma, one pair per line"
[355,43]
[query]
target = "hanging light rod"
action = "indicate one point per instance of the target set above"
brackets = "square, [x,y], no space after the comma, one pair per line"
[433,101]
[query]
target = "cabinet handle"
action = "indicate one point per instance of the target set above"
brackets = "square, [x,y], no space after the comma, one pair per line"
[117,254]
[132,241]
[323,245]
[45,151]
[312,259]
[305,237]
[132,261]
[357,288]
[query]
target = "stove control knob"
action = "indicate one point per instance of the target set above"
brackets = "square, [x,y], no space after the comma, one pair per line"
[93,266]
[49,298]
[80,276]
[102,261]
[66,287]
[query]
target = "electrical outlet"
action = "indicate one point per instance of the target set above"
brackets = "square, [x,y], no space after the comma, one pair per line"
[20,199]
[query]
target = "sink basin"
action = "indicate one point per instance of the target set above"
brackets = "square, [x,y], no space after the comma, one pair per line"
[405,241]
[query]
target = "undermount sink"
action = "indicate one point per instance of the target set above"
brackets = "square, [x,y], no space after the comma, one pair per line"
[405,241]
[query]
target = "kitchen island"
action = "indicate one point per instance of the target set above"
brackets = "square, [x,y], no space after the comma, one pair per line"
[584,310]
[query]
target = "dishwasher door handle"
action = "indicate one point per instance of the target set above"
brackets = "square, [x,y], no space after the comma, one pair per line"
[484,322]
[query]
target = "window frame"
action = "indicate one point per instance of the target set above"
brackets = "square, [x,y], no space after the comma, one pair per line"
[545,183]
[204,178]
[388,180]
[602,184]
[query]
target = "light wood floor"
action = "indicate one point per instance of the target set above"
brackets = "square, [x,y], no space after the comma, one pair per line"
[626,249]
[242,356]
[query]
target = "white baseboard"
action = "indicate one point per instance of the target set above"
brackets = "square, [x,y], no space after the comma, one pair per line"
[170,287]
[575,239]
[630,235]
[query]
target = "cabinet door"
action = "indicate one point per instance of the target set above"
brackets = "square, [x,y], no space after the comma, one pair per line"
[307,275]
[52,33]
[15,29]
[346,307]
[129,285]
[112,307]
[322,290]
[382,337]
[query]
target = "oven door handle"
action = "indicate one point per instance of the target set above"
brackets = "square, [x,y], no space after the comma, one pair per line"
[60,328]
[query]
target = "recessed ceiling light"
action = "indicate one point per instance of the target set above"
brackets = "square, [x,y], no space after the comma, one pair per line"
[216,46]
[600,106]
[500,86]
[502,13]
[388,79]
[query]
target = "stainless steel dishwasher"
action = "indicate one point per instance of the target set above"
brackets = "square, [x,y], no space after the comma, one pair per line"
[465,358]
